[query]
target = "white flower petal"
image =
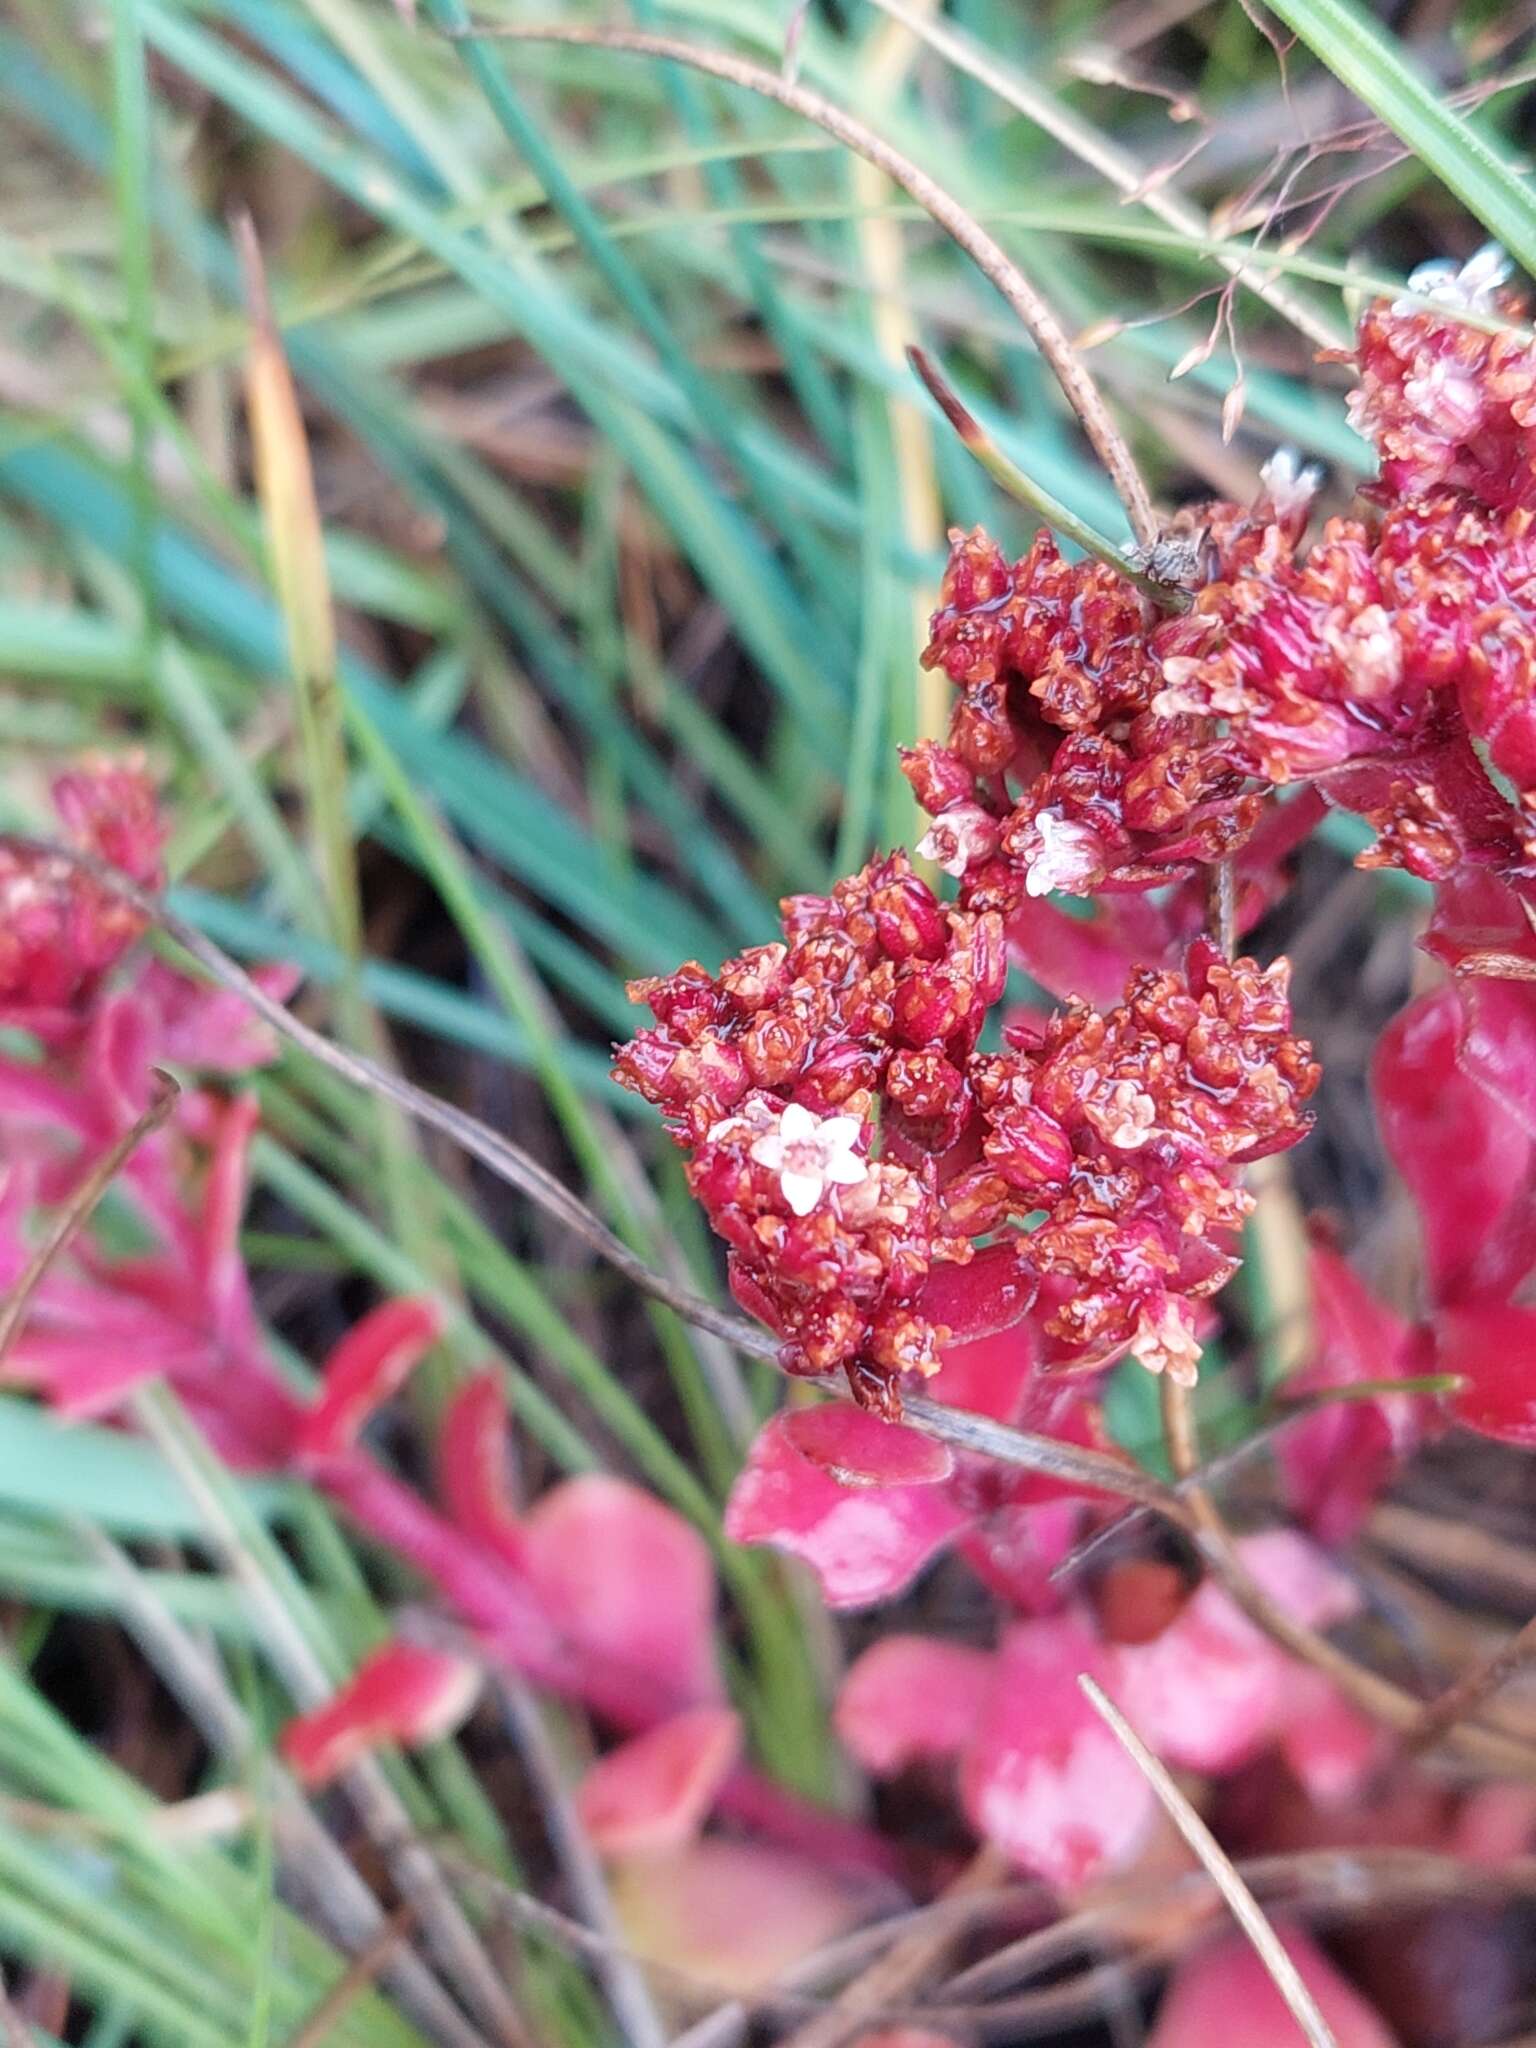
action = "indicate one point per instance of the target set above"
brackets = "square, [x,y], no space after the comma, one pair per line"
[798,1123]
[847,1169]
[768,1151]
[802,1191]
[839,1132]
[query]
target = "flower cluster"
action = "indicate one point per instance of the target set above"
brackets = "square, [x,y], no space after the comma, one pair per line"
[1124,1128]
[1060,770]
[1379,663]
[60,930]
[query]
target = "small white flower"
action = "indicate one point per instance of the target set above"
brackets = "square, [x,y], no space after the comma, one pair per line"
[1070,855]
[1449,397]
[1134,1113]
[1289,484]
[1168,1344]
[1367,646]
[1468,286]
[957,837]
[809,1152]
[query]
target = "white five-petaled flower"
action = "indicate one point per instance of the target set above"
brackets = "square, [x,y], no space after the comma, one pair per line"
[1070,855]
[809,1152]
[1470,286]
[1289,484]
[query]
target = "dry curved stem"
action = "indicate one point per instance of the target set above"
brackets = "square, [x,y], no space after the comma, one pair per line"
[77,1210]
[1461,1700]
[1112,163]
[1245,1910]
[942,207]
[984,451]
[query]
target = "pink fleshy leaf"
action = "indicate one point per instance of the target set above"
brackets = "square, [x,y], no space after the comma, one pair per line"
[905,2037]
[865,1544]
[1330,1747]
[1044,1778]
[1335,1462]
[211,1029]
[990,1294]
[1493,1348]
[733,1915]
[402,1693]
[1071,956]
[366,1369]
[1466,1160]
[909,1698]
[858,1449]
[655,1791]
[1212,1691]
[472,1468]
[631,1582]
[1223,1993]
[1014,1548]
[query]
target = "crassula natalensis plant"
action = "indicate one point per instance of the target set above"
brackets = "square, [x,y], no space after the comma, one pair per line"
[909,1200]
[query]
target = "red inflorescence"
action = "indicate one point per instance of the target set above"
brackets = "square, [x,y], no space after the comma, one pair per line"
[1123,1128]
[60,929]
[1060,772]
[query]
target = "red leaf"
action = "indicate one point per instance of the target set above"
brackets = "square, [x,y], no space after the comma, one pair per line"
[1465,1157]
[1223,1993]
[909,1697]
[402,1693]
[1335,1463]
[991,1293]
[1494,1349]
[1212,1691]
[655,1791]
[1045,1779]
[858,1449]
[631,1585]
[864,1544]
[369,1366]
[472,1468]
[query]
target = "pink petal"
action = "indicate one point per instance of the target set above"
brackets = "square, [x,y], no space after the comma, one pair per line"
[733,1915]
[1336,1462]
[366,1369]
[472,1468]
[1494,1349]
[402,1693]
[1466,1160]
[631,1584]
[655,1791]
[909,1698]
[1223,1993]
[864,1544]
[1045,1779]
[858,1449]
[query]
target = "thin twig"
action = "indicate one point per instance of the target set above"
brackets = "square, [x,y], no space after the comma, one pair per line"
[623,1977]
[358,1976]
[904,1967]
[990,258]
[1461,1700]
[453,1938]
[1116,165]
[76,1211]
[317,1875]
[978,444]
[1244,1907]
